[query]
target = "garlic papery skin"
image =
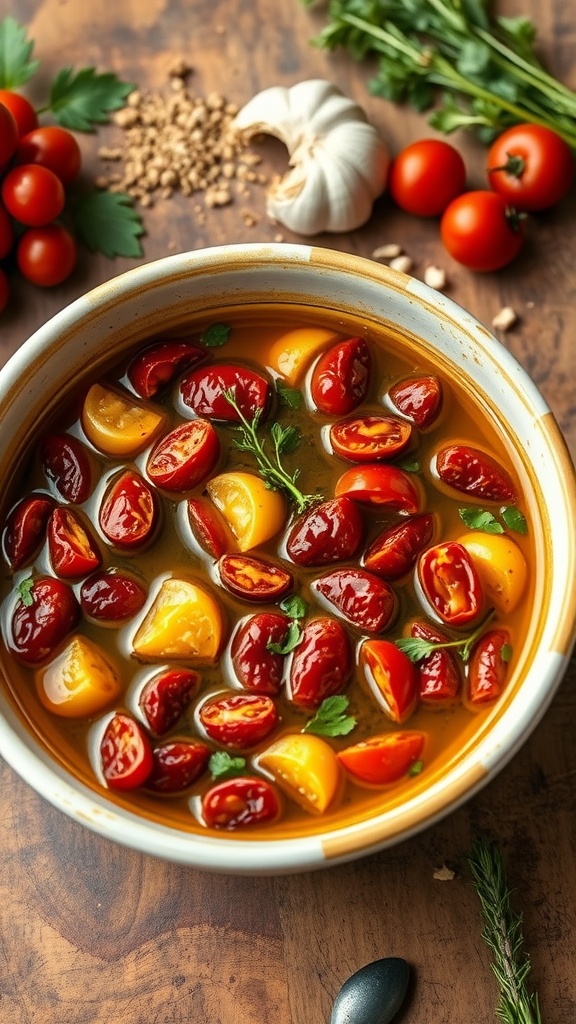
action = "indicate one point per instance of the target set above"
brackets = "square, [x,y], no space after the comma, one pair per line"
[338,163]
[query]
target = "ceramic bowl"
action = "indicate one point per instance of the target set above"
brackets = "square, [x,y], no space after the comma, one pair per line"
[155,296]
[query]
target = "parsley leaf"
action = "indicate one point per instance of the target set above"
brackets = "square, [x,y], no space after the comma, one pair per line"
[83,99]
[25,590]
[514,519]
[290,641]
[223,766]
[480,519]
[415,769]
[16,67]
[410,465]
[215,335]
[108,223]
[294,606]
[286,439]
[331,718]
[290,397]
[416,648]
[506,653]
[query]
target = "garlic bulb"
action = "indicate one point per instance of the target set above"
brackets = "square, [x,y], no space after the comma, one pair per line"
[338,162]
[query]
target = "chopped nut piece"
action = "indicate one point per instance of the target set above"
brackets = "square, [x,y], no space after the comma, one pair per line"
[387,252]
[179,68]
[505,319]
[444,874]
[435,277]
[402,263]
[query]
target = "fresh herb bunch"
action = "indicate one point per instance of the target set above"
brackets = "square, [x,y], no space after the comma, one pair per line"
[484,66]
[503,934]
[416,648]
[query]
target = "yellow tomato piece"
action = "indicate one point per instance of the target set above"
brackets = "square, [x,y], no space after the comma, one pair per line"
[293,352]
[306,768]
[253,513]
[501,567]
[117,423]
[185,621]
[79,682]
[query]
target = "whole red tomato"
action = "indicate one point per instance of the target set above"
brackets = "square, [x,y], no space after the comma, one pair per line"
[530,166]
[46,256]
[426,176]
[21,109]
[480,231]
[32,194]
[51,147]
[8,135]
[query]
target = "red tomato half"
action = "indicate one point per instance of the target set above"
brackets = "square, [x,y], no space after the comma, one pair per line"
[240,721]
[111,597]
[258,669]
[426,176]
[530,166]
[166,696]
[474,472]
[392,678]
[67,464]
[158,365]
[26,529]
[177,765]
[37,628]
[33,195]
[450,583]
[370,438]
[185,456]
[240,803]
[479,230]
[128,512]
[253,578]
[394,551]
[380,485]
[52,147]
[73,552]
[440,678]
[209,527]
[362,598]
[330,532]
[125,753]
[488,667]
[21,109]
[418,398]
[321,664]
[341,377]
[384,759]
[203,391]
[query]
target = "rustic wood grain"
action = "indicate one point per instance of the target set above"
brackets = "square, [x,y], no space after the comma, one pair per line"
[92,933]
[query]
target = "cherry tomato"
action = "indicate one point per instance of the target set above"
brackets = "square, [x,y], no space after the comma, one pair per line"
[381,760]
[6,233]
[394,551]
[426,176]
[52,147]
[184,622]
[8,135]
[530,166]
[439,674]
[500,565]
[391,677]
[26,529]
[67,464]
[73,552]
[321,664]
[253,578]
[377,484]
[119,424]
[479,230]
[418,398]
[488,667]
[34,195]
[37,628]
[46,256]
[474,472]
[21,109]
[330,532]
[370,438]
[362,598]
[240,803]
[203,391]
[128,512]
[166,696]
[177,765]
[239,721]
[125,753]
[209,527]
[79,682]
[185,456]
[258,669]
[159,364]
[4,290]
[306,768]
[450,583]
[341,377]
[111,597]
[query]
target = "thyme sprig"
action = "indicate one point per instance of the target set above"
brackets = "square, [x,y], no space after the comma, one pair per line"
[503,935]
[285,440]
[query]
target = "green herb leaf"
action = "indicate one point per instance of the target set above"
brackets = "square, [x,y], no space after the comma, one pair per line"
[80,100]
[294,606]
[409,465]
[16,67]
[416,648]
[286,439]
[480,519]
[506,653]
[415,769]
[24,588]
[514,519]
[331,718]
[223,766]
[215,335]
[107,223]
[290,397]
[290,641]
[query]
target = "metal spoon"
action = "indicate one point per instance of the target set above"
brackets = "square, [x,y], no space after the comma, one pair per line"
[374,994]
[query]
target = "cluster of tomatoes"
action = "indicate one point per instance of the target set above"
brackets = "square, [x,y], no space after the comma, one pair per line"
[529,168]
[36,166]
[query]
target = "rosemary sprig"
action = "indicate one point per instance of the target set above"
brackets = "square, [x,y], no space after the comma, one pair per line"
[416,647]
[285,440]
[503,935]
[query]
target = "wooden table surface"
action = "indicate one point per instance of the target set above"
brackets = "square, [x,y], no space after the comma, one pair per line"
[92,933]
